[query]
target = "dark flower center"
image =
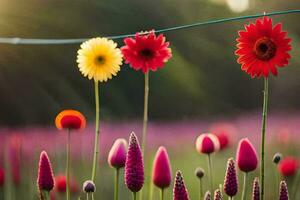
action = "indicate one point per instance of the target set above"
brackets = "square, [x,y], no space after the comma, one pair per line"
[100,60]
[265,48]
[147,53]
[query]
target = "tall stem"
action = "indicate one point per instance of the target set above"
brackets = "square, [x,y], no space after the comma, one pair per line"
[68,166]
[263,136]
[200,189]
[145,124]
[244,193]
[117,184]
[210,172]
[145,118]
[97,132]
[162,194]
[134,195]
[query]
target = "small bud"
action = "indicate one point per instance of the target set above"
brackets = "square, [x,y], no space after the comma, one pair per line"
[218,195]
[255,190]
[283,191]
[199,172]
[179,190]
[277,157]
[89,186]
[207,196]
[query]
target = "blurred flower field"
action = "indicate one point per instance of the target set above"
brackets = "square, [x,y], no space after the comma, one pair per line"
[20,149]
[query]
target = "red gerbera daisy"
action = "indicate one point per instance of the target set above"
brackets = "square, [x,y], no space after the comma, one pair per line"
[262,47]
[146,51]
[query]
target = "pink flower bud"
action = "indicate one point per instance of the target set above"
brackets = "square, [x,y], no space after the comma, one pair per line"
[45,179]
[207,143]
[161,174]
[117,154]
[134,166]
[246,156]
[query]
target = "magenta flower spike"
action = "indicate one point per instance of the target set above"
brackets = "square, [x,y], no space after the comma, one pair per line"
[207,143]
[179,190]
[231,180]
[246,156]
[134,166]
[255,190]
[161,174]
[117,154]
[218,195]
[283,191]
[45,179]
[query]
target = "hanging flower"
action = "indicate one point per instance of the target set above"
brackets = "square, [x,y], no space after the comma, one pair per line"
[262,47]
[179,190]
[70,119]
[207,143]
[45,179]
[117,154]
[231,179]
[146,51]
[2,177]
[288,166]
[134,167]
[161,174]
[246,156]
[99,59]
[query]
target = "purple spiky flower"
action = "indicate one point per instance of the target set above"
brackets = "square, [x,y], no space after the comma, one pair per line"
[283,191]
[179,190]
[231,180]
[134,166]
[45,179]
[207,196]
[255,190]
[218,195]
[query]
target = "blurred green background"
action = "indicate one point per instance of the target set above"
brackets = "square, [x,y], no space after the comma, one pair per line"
[38,81]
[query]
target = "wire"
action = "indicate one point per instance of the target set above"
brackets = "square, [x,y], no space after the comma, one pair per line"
[34,41]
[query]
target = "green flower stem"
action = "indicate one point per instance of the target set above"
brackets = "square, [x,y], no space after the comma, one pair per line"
[145,122]
[117,172]
[244,193]
[87,196]
[68,166]
[162,194]
[93,196]
[263,138]
[200,189]
[134,195]
[97,132]
[210,172]
[277,179]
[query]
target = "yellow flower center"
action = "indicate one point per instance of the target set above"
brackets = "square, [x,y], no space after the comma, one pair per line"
[264,48]
[100,60]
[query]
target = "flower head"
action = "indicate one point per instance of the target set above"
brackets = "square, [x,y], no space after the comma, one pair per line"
[45,179]
[218,195]
[199,172]
[117,154]
[231,180]
[255,190]
[99,59]
[2,177]
[277,157]
[288,166]
[207,143]
[246,156]
[70,119]
[61,184]
[146,51]
[161,174]
[262,47]
[283,191]
[207,195]
[179,190]
[134,166]
[89,186]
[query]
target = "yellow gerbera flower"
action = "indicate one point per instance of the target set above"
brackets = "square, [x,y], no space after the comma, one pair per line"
[99,59]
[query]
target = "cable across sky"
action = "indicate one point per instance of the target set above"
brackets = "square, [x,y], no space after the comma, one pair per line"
[37,41]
